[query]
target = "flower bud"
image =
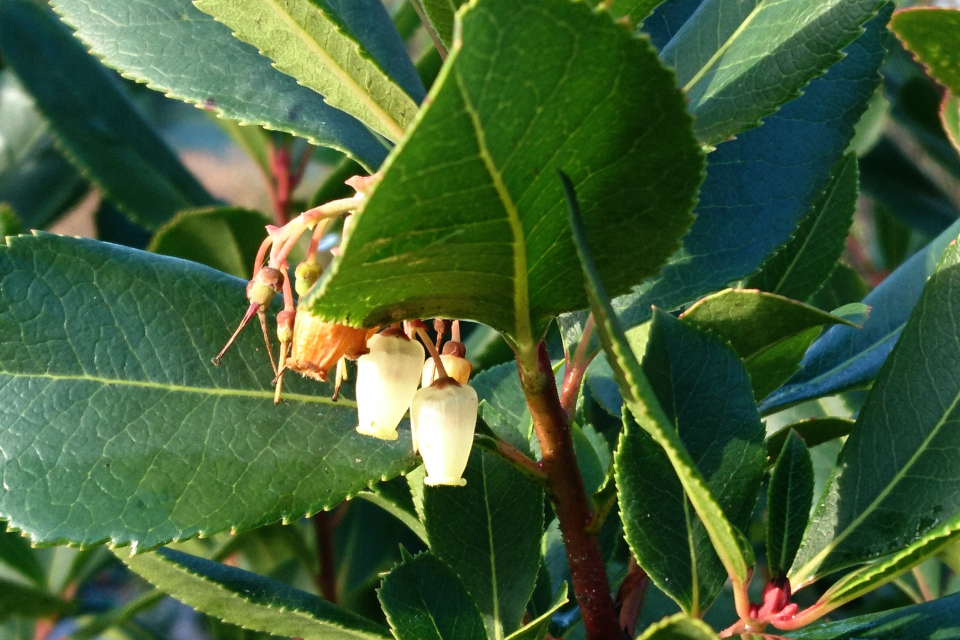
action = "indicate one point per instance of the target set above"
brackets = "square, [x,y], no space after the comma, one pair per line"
[306,274]
[318,345]
[285,322]
[264,285]
[457,368]
[445,417]
[387,378]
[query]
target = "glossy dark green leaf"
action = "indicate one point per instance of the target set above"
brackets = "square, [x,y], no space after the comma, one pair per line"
[896,478]
[705,394]
[499,387]
[43,186]
[789,499]
[9,224]
[440,15]
[799,268]
[770,333]
[634,10]
[814,431]
[933,36]
[738,61]
[250,600]
[15,553]
[761,184]
[225,238]
[938,620]
[844,356]
[94,121]
[210,68]
[843,287]
[425,600]
[489,532]
[115,422]
[679,627]
[537,628]
[115,227]
[484,233]
[20,600]
[950,116]
[347,50]
[646,409]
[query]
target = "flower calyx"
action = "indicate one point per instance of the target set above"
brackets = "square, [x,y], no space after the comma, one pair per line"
[775,608]
[264,285]
[318,345]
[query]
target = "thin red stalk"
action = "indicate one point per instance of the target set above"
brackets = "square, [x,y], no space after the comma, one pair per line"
[428,343]
[576,368]
[327,576]
[281,189]
[570,502]
[630,596]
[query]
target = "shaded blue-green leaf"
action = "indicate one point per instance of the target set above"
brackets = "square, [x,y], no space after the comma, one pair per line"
[225,238]
[346,50]
[799,268]
[705,394]
[117,427]
[770,333]
[843,287]
[928,621]
[789,498]
[639,397]
[21,125]
[667,19]
[489,532]
[98,624]
[15,552]
[492,244]
[43,186]
[250,600]
[679,627]
[394,497]
[210,68]
[93,119]
[760,185]
[844,357]
[896,479]
[20,600]
[537,628]
[738,61]
[814,431]
[425,600]
[499,387]
[114,226]
[439,14]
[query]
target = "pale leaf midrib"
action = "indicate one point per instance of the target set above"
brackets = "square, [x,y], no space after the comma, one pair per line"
[175,388]
[521,292]
[395,129]
[809,569]
[723,48]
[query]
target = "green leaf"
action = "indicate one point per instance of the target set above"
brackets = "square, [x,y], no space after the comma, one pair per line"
[760,185]
[115,426]
[440,15]
[250,600]
[802,265]
[738,60]
[499,388]
[928,621]
[814,431]
[15,552]
[29,602]
[537,628]
[391,506]
[42,187]
[705,395]
[94,121]
[635,10]
[843,287]
[225,238]
[483,235]
[489,533]
[210,68]
[950,117]
[894,481]
[648,413]
[770,333]
[425,600]
[789,499]
[876,574]
[679,627]
[933,36]
[844,357]
[111,618]
[346,50]
[9,224]
[21,126]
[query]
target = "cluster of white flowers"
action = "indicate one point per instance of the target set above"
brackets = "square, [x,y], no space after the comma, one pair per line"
[443,412]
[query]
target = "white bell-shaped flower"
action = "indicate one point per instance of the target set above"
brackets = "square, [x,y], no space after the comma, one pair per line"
[387,378]
[445,417]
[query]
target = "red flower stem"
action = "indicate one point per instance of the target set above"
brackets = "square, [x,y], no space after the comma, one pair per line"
[576,368]
[327,575]
[281,185]
[570,501]
[425,339]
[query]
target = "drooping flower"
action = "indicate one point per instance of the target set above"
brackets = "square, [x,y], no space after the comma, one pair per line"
[444,417]
[387,378]
[318,345]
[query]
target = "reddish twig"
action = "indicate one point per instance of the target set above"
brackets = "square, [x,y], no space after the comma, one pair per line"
[323,526]
[570,501]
